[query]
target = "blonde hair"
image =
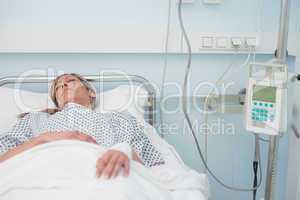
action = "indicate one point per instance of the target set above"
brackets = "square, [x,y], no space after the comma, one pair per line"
[53,94]
[82,80]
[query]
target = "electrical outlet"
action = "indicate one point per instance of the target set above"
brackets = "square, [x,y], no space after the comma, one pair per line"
[237,42]
[222,42]
[225,42]
[251,41]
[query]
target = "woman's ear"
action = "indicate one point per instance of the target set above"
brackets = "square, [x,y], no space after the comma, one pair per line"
[92,94]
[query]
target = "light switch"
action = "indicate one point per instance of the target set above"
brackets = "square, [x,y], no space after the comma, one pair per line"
[222,42]
[207,42]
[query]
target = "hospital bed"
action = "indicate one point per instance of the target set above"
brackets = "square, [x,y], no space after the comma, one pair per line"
[173,181]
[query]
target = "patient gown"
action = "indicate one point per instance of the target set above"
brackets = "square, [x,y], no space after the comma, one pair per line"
[107,129]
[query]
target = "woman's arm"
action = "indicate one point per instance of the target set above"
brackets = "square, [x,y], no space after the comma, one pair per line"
[45,138]
[19,149]
[21,132]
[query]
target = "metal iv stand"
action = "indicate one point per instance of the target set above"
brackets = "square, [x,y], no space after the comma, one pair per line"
[281,54]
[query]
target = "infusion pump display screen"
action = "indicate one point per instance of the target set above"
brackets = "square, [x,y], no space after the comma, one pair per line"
[264,93]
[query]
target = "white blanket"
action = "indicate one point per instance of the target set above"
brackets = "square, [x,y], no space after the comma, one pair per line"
[66,170]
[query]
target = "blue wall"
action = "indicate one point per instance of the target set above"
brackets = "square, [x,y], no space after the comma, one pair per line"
[229,155]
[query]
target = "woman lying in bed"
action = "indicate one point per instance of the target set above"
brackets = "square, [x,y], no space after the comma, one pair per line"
[76,119]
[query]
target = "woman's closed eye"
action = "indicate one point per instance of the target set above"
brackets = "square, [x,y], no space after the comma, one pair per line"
[58,87]
[71,80]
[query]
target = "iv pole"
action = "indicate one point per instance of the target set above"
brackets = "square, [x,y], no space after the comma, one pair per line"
[281,54]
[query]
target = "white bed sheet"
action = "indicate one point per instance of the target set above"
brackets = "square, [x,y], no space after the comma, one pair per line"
[188,195]
[66,170]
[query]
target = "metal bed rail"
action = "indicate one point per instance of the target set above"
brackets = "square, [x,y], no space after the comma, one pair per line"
[150,108]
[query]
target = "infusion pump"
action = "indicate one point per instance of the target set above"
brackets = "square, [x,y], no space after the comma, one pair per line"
[266,100]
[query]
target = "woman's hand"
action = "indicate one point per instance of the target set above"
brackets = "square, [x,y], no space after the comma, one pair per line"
[111,163]
[64,135]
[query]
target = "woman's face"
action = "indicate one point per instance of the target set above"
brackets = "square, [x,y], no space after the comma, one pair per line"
[70,89]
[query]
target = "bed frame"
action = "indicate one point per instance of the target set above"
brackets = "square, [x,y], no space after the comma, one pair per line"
[150,107]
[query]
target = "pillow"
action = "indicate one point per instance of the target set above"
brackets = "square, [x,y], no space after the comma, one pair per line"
[171,157]
[14,102]
[123,98]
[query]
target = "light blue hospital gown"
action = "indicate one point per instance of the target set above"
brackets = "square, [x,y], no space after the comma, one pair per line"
[107,129]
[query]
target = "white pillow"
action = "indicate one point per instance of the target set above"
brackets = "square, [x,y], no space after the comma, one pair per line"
[14,102]
[124,98]
[172,158]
